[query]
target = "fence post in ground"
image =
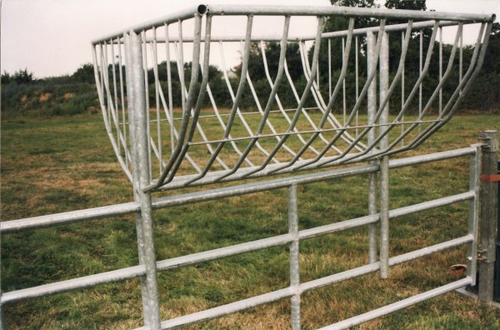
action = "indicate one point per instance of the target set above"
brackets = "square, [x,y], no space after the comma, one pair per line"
[488,220]
[384,162]
[141,174]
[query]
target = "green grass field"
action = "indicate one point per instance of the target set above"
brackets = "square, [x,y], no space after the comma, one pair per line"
[63,164]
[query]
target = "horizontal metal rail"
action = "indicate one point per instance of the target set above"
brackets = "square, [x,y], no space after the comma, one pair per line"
[326,35]
[212,194]
[130,272]
[298,11]
[280,240]
[400,305]
[315,284]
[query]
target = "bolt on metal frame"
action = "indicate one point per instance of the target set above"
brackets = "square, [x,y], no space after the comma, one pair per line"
[151,163]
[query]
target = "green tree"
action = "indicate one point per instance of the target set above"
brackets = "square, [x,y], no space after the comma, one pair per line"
[85,73]
[23,77]
[406,4]
[6,78]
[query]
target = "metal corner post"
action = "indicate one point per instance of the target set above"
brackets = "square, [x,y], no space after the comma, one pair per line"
[141,173]
[488,219]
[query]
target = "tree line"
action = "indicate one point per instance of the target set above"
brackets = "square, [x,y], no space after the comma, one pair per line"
[76,93]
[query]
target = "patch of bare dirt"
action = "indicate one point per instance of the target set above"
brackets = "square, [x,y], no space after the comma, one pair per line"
[44,97]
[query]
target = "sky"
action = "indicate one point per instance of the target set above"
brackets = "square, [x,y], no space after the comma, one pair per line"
[53,37]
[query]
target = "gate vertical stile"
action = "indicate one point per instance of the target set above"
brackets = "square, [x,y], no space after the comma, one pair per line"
[293,229]
[141,171]
[474,205]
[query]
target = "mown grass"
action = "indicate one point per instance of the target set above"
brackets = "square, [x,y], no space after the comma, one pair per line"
[62,164]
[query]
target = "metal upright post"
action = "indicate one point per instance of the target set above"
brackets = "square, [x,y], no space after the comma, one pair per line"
[488,222]
[141,173]
[474,205]
[372,177]
[384,163]
[293,228]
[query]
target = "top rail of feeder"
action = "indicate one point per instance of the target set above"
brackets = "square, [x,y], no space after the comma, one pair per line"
[228,10]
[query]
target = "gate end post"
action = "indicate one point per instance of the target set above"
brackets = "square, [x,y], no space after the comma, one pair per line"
[488,219]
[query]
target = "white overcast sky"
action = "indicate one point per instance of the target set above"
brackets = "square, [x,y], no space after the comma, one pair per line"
[52,37]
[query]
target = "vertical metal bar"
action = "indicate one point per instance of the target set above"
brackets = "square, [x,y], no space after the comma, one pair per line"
[420,87]
[330,68]
[169,86]
[474,205]
[372,177]
[122,100]
[440,68]
[488,221]
[317,76]
[138,120]
[293,228]
[135,173]
[384,163]
[344,108]
[146,92]
[356,42]
[180,68]
[403,90]
[461,59]
[115,94]
[157,99]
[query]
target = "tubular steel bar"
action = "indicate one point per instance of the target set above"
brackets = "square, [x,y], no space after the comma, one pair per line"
[293,223]
[193,259]
[474,213]
[208,195]
[292,238]
[285,135]
[384,162]
[145,235]
[400,305]
[372,177]
[489,190]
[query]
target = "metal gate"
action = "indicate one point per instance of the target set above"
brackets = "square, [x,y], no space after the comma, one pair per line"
[159,151]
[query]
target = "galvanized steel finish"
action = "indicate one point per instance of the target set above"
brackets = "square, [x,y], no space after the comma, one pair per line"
[160,147]
[324,126]
[292,239]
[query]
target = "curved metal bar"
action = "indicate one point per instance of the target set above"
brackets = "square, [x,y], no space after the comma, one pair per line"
[273,93]
[459,92]
[236,102]
[422,114]
[364,91]
[174,160]
[303,98]
[329,107]
[382,106]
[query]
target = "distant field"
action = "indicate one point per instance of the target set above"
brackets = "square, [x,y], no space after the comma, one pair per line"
[62,164]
